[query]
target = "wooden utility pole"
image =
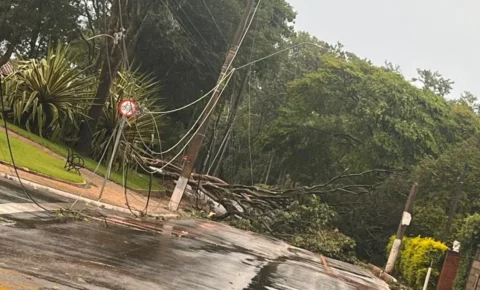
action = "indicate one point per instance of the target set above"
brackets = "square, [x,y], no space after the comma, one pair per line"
[197,141]
[404,223]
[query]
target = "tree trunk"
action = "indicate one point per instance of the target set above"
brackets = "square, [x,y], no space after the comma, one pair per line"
[213,139]
[108,73]
[230,121]
[134,13]
[216,172]
[36,32]
[269,168]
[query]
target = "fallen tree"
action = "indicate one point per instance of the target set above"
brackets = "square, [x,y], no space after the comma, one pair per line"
[298,215]
[252,201]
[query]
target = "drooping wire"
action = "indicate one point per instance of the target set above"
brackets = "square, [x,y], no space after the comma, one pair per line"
[215,22]
[195,27]
[278,52]
[145,210]
[5,124]
[196,122]
[183,26]
[98,165]
[195,133]
[245,33]
[228,68]
[125,182]
[230,64]
[250,106]
[216,87]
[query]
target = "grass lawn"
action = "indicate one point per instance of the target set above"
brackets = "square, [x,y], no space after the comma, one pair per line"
[30,157]
[135,179]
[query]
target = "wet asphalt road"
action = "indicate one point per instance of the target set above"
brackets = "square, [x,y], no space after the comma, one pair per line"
[38,252]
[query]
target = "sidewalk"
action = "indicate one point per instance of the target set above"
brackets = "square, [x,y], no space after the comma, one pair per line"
[113,193]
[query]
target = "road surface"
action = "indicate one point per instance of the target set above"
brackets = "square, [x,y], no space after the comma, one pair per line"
[39,252]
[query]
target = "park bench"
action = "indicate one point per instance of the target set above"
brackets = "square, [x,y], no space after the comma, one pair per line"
[74,161]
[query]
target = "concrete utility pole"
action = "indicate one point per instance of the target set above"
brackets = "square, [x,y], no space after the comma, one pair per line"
[404,223]
[427,278]
[197,141]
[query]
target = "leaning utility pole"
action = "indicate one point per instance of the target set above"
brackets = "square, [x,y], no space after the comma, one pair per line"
[404,223]
[197,141]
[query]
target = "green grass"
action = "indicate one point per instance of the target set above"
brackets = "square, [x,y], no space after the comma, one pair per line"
[135,179]
[28,156]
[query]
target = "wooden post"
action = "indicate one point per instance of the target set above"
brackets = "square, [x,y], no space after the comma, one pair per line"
[404,223]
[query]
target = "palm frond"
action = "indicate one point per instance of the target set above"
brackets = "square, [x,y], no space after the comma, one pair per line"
[50,92]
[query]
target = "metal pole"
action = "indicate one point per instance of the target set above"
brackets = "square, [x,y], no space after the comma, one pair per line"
[406,219]
[427,279]
[197,141]
[115,147]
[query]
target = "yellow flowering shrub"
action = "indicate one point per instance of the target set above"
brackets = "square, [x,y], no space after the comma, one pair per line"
[415,257]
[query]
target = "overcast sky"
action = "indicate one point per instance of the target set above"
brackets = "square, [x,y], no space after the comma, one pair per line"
[442,35]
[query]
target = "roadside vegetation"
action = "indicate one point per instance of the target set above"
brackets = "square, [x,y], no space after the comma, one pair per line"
[30,157]
[135,180]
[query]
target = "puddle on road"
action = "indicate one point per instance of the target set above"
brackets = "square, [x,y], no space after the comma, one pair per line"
[29,223]
[264,280]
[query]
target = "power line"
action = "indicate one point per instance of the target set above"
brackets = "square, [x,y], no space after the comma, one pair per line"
[98,165]
[11,153]
[196,132]
[214,21]
[195,27]
[251,55]
[184,27]
[193,135]
[245,33]
[229,75]
[250,106]
[125,180]
[278,52]
[194,149]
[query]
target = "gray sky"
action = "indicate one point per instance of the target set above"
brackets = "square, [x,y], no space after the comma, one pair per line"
[442,35]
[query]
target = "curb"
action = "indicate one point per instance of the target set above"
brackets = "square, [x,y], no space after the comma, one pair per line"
[26,170]
[40,187]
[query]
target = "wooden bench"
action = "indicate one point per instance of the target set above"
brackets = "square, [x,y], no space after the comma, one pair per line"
[74,162]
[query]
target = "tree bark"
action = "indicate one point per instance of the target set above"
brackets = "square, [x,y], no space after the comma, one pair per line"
[36,32]
[108,73]
[213,139]
[269,168]
[230,121]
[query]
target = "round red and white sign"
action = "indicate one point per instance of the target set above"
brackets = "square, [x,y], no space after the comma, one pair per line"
[127,108]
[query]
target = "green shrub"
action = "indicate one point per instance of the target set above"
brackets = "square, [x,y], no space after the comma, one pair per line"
[415,257]
[307,223]
[49,93]
[469,238]
[140,129]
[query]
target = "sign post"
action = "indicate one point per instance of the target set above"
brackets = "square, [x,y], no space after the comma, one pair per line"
[128,109]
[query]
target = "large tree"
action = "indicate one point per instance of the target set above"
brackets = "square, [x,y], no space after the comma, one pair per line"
[30,26]
[124,23]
